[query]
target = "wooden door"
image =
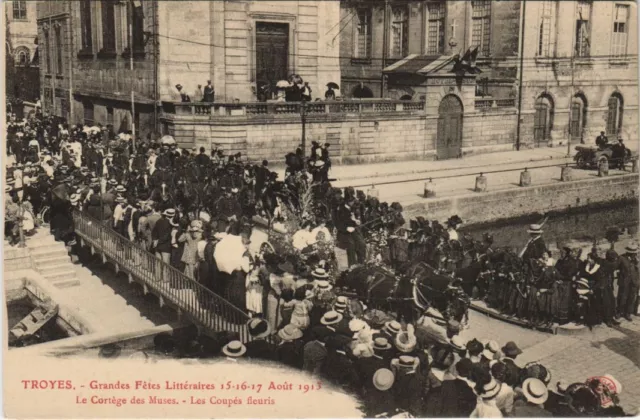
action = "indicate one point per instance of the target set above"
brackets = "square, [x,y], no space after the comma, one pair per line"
[272,53]
[541,123]
[449,142]
[576,121]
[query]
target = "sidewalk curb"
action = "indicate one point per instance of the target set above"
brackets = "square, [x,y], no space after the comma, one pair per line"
[457,168]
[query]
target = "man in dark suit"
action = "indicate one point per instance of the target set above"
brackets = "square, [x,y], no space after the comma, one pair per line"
[454,398]
[161,236]
[602,140]
[258,347]
[514,373]
[349,233]
[262,175]
[202,159]
[628,283]
[536,247]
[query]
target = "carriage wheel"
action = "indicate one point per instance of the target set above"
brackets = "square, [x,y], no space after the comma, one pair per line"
[44,217]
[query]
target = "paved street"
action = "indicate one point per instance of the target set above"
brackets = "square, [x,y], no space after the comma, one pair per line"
[614,351]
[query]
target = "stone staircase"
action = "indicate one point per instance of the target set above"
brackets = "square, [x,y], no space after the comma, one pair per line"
[85,293]
[51,259]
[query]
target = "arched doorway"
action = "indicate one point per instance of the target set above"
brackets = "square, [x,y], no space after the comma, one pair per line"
[361,92]
[578,117]
[449,141]
[543,120]
[614,115]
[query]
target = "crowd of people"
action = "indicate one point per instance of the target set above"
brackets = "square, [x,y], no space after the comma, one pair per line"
[194,212]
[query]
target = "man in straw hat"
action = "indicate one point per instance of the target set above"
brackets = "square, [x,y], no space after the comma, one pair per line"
[289,351]
[486,406]
[535,393]
[234,350]
[314,352]
[535,248]
[628,282]
[378,396]
[259,347]
[455,398]
[161,235]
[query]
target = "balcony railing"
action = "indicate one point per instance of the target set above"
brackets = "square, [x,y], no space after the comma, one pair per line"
[190,298]
[216,109]
[487,103]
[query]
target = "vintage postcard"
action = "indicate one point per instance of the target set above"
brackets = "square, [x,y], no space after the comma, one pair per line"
[320,209]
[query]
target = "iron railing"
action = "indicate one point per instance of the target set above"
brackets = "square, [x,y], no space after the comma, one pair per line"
[189,297]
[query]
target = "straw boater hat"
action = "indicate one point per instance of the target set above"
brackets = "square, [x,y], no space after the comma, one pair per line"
[121,199]
[169,212]
[535,229]
[490,390]
[381,343]
[406,362]
[535,391]
[323,285]
[319,273]
[631,249]
[290,332]
[258,328]
[331,318]
[383,379]
[392,327]
[113,182]
[121,189]
[234,349]
[341,303]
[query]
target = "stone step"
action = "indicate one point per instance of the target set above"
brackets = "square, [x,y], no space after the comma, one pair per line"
[49,252]
[48,262]
[63,276]
[51,265]
[65,284]
[58,269]
[41,242]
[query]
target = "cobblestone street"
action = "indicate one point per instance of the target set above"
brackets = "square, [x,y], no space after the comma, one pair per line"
[574,358]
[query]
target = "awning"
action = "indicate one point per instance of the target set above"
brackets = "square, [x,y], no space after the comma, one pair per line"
[421,64]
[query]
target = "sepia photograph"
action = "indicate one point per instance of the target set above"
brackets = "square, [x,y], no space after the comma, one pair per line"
[320,208]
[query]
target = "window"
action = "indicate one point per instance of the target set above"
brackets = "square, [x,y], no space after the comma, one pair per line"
[614,115]
[138,27]
[20,10]
[22,56]
[109,115]
[59,49]
[399,29]
[108,27]
[47,53]
[578,117]
[583,28]
[363,34]
[481,26]
[88,112]
[85,27]
[620,30]
[435,35]
[543,119]
[545,31]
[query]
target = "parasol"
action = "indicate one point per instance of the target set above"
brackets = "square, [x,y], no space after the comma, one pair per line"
[229,254]
[61,192]
[283,84]
[167,140]
[332,85]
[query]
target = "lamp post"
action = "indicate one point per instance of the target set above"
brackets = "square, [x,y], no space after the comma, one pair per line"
[303,116]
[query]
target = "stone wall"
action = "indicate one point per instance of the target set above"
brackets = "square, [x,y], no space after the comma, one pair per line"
[494,206]
[369,137]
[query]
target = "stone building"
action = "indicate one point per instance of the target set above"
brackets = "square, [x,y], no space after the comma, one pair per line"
[580,72]
[238,45]
[21,49]
[407,50]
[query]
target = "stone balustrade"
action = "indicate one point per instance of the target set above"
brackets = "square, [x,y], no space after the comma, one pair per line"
[249,109]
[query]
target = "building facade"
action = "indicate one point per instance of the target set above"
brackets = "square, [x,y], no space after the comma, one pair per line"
[579,72]
[21,50]
[238,45]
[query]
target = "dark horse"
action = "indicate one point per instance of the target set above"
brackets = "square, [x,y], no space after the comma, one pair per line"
[409,295]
